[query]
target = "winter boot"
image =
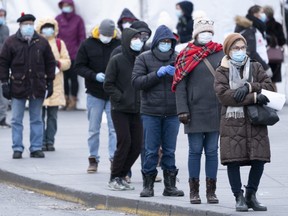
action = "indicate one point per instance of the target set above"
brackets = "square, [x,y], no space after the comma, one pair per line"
[210,191]
[240,203]
[252,201]
[72,103]
[194,191]
[148,185]
[170,182]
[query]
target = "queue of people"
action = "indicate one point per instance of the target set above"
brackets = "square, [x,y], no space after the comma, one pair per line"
[146,91]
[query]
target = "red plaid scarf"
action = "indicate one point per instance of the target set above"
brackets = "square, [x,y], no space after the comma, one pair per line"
[190,57]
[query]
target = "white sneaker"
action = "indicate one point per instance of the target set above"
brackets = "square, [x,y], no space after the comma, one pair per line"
[127,185]
[116,184]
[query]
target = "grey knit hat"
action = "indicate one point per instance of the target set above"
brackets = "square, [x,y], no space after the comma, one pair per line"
[107,27]
[202,24]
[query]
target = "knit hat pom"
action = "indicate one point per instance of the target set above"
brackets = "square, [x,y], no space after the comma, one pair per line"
[202,23]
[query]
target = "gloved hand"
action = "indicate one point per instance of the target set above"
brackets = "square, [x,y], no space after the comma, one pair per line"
[262,99]
[100,77]
[184,118]
[241,93]
[269,72]
[170,70]
[162,71]
[49,89]
[6,90]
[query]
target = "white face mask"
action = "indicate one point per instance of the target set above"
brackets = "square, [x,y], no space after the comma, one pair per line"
[126,25]
[204,37]
[105,39]
[136,45]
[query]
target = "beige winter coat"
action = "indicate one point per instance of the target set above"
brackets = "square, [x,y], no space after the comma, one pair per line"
[57,98]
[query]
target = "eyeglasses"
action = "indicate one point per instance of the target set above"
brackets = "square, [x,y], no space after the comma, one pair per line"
[237,48]
[210,22]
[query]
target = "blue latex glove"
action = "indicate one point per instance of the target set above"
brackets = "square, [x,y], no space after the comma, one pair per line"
[162,71]
[170,70]
[100,77]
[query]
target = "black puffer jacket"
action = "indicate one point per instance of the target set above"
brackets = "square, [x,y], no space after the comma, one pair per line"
[32,65]
[185,22]
[123,96]
[92,58]
[156,95]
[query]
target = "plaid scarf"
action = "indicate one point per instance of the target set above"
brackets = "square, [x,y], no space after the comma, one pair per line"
[190,57]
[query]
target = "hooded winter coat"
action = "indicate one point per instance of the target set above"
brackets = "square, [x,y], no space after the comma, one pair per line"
[62,58]
[185,23]
[4,32]
[156,96]
[123,96]
[126,14]
[92,58]
[71,29]
[240,141]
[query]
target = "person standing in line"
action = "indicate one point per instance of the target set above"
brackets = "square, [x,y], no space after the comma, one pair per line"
[72,32]
[126,19]
[275,37]
[91,62]
[125,108]
[184,10]
[29,57]
[198,107]
[153,74]
[48,28]
[4,33]
[238,83]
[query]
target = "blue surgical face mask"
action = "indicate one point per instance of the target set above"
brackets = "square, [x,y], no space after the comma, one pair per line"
[136,45]
[67,9]
[164,47]
[48,32]
[263,17]
[179,13]
[238,56]
[27,30]
[105,39]
[204,37]
[2,20]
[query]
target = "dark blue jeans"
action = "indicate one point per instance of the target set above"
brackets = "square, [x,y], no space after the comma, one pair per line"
[50,125]
[255,175]
[159,130]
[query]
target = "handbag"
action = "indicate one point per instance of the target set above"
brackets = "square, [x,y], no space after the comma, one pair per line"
[275,55]
[262,115]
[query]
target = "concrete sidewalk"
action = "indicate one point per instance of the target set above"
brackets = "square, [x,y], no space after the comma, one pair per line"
[62,174]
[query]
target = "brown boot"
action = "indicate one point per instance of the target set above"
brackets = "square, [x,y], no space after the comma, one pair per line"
[210,191]
[194,191]
[93,165]
[67,101]
[72,103]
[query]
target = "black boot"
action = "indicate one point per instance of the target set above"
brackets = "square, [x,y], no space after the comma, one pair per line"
[240,203]
[148,185]
[170,182]
[194,191]
[252,201]
[210,191]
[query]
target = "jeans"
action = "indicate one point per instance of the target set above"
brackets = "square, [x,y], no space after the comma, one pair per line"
[36,124]
[95,108]
[50,127]
[255,174]
[160,130]
[71,84]
[3,104]
[129,132]
[197,142]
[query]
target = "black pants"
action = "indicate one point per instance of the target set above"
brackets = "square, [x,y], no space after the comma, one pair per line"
[129,131]
[255,174]
[71,85]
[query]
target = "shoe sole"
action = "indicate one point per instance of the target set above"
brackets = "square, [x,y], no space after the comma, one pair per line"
[115,189]
[91,171]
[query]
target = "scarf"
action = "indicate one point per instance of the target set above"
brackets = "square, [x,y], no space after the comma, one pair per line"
[235,81]
[190,57]
[257,23]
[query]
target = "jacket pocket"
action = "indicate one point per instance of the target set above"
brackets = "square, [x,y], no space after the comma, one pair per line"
[18,84]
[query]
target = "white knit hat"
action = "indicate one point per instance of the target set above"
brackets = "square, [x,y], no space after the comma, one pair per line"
[202,23]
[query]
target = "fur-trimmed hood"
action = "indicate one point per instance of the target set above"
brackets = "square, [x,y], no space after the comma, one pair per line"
[243,21]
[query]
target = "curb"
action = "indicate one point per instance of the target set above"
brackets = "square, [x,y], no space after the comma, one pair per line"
[100,201]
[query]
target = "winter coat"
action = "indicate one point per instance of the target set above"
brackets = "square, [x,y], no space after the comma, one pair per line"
[185,23]
[32,65]
[274,31]
[195,95]
[157,99]
[123,96]
[4,34]
[239,140]
[92,58]
[245,27]
[71,29]
[62,58]
[126,14]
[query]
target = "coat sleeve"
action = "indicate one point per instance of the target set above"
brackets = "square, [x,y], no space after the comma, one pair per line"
[110,82]
[5,62]
[50,63]
[141,78]
[81,31]
[182,97]
[64,59]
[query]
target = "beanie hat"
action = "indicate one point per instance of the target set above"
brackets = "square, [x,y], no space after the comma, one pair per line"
[201,24]
[230,40]
[26,17]
[141,26]
[107,27]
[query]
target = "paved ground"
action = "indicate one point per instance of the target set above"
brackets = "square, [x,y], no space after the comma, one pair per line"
[62,174]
